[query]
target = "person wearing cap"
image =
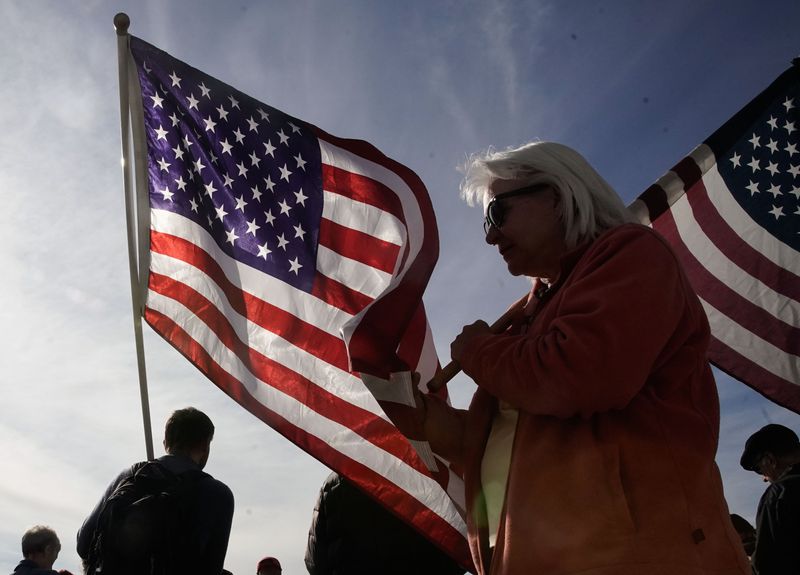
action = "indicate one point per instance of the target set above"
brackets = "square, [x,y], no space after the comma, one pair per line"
[269,566]
[774,452]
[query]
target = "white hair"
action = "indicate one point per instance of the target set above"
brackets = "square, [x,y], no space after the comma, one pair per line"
[588,204]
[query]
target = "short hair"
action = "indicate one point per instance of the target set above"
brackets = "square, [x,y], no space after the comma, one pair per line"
[588,204]
[37,538]
[187,429]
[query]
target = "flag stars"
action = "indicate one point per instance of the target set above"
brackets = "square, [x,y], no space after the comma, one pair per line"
[193,102]
[270,217]
[736,160]
[295,128]
[794,170]
[240,203]
[772,168]
[254,160]
[755,140]
[252,227]
[294,266]
[285,172]
[775,190]
[227,181]
[300,197]
[239,136]
[194,205]
[210,124]
[263,114]
[178,151]
[210,189]
[788,104]
[221,213]
[282,241]
[269,183]
[161,133]
[187,142]
[301,163]
[176,81]
[164,164]
[226,147]
[264,251]
[284,207]
[773,146]
[753,187]
[223,113]
[166,193]
[253,124]
[198,166]
[157,101]
[777,211]
[791,149]
[181,184]
[256,194]
[795,191]
[232,237]
[773,122]
[299,232]
[789,127]
[234,102]
[755,164]
[174,119]
[283,137]
[206,92]
[270,148]
[242,169]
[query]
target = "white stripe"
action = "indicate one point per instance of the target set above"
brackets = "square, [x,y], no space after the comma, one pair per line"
[265,342]
[428,359]
[726,271]
[354,274]
[363,217]
[263,286]
[423,488]
[751,346]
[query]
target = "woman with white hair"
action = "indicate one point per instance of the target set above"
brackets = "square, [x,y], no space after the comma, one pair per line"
[589,444]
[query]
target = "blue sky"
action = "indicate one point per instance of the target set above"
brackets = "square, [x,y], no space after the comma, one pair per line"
[632,85]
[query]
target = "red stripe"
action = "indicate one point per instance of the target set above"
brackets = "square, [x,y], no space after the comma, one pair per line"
[358,246]
[748,315]
[379,431]
[339,295]
[774,388]
[729,242]
[415,512]
[361,189]
[316,341]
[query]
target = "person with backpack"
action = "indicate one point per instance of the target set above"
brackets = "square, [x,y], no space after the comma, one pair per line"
[774,453]
[165,516]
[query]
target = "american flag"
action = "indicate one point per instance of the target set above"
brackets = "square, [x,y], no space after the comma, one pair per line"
[732,211]
[288,264]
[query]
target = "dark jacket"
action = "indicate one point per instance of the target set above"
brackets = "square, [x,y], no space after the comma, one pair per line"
[210,521]
[778,527]
[352,534]
[28,567]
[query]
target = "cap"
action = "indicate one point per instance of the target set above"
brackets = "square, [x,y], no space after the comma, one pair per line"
[771,438]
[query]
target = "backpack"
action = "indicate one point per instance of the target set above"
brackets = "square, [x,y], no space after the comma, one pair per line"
[141,529]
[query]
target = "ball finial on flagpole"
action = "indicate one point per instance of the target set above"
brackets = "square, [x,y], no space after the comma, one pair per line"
[121,23]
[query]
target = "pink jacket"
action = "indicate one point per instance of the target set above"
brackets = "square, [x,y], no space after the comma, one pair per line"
[612,469]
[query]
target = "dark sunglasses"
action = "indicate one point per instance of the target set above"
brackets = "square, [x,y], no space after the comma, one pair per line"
[496,212]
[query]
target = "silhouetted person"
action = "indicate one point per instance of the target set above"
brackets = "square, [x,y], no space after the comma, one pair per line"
[774,452]
[269,566]
[40,549]
[747,533]
[206,516]
[352,534]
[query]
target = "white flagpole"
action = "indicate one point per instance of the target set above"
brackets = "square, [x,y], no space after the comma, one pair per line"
[121,23]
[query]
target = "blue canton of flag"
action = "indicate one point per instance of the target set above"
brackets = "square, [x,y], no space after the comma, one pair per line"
[246,172]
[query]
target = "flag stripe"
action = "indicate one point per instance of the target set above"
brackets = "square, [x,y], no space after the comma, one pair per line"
[282,414]
[355,275]
[358,216]
[359,246]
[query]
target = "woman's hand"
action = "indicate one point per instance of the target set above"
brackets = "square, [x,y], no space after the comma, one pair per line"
[468,333]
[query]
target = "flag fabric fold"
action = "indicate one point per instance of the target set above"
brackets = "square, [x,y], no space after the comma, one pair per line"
[289,266]
[731,210]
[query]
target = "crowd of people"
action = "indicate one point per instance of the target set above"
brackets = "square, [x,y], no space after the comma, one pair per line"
[588,446]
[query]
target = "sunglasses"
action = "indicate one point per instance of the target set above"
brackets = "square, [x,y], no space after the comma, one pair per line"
[496,211]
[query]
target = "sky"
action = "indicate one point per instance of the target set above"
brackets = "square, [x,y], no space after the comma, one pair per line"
[632,85]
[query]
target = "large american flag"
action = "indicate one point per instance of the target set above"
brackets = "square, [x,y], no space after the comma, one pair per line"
[288,265]
[732,211]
